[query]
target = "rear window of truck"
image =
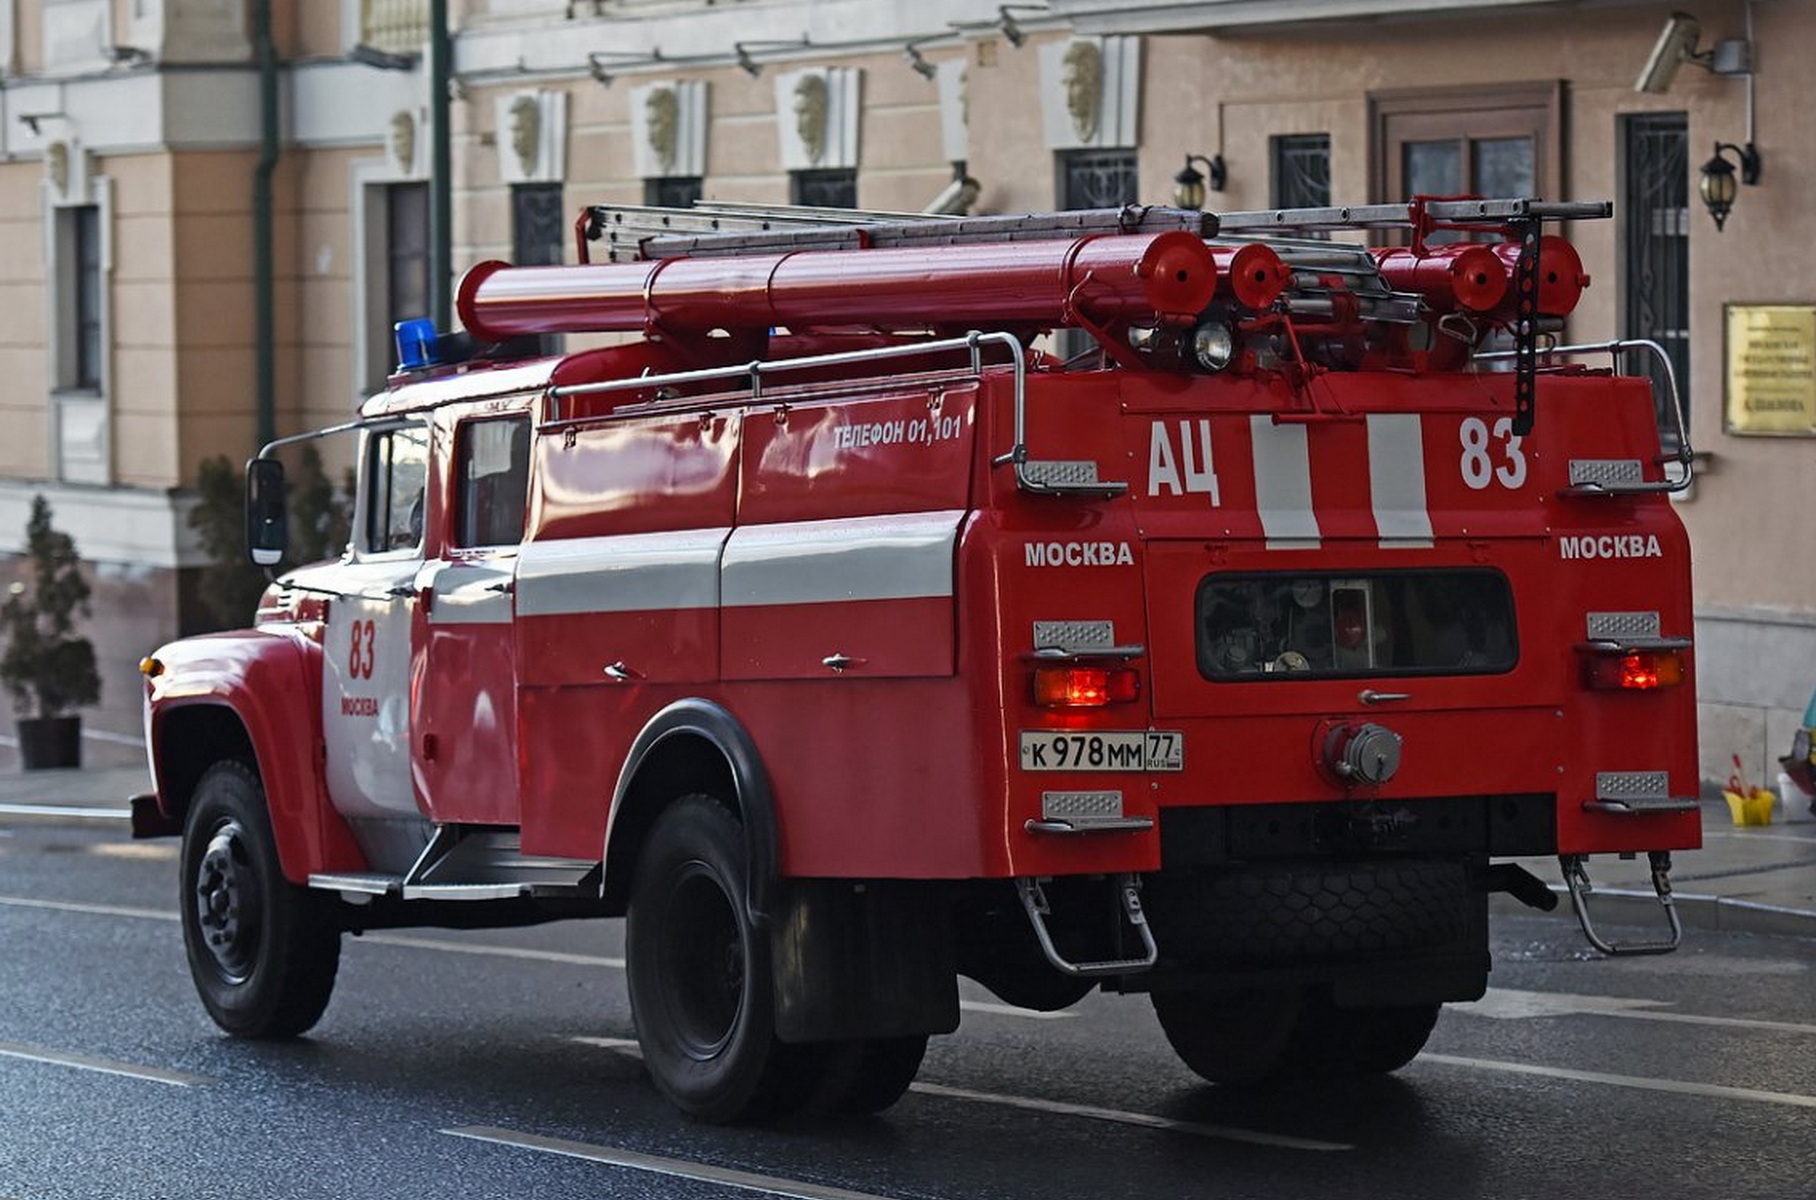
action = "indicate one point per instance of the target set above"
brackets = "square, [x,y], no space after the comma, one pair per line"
[1297,625]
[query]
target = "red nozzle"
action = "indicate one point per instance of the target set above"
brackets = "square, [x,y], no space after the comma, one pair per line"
[1255,273]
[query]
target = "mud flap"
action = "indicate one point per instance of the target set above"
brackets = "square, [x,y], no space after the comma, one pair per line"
[862,960]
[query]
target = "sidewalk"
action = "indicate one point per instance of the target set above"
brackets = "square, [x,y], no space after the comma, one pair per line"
[1758,879]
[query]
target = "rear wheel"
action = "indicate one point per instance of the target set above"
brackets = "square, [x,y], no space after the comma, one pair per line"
[1263,1035]
[865,1077]
[1363,1041]
[699,975]
[263,952]
[1241,1037]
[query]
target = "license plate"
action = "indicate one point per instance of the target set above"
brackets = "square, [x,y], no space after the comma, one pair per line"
[1135,750]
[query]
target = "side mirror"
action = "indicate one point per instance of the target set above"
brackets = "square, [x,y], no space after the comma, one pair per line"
[267,526]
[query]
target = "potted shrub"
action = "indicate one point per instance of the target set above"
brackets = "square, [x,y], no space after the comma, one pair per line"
[48,671]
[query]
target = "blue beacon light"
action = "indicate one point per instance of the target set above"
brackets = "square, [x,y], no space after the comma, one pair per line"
[415,343]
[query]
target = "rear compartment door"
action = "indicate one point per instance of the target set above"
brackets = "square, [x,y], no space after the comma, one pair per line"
[1383,567]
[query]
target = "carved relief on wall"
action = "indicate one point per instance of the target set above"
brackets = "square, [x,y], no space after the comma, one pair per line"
[532,136]
[817,116]
[1090,92]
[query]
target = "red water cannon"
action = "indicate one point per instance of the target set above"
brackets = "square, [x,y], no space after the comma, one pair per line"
[1461,275]
[1561,275]
[1104,279]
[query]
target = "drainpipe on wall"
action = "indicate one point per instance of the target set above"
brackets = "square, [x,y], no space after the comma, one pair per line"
[264,283]
[441,171]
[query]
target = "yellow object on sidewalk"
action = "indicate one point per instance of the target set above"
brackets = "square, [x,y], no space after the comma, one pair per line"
[1751,808]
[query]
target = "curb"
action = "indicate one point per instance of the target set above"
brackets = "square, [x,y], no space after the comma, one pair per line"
[65,812]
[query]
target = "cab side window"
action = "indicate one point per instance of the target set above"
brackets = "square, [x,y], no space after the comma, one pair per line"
[397,472]
[492,474]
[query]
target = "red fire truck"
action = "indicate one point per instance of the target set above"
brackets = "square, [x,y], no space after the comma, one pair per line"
[1206,607]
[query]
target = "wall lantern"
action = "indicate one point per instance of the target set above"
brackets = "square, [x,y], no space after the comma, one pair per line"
[1717,184]
[1188,185]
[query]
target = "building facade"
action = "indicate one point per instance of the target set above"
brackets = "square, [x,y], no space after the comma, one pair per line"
[156,317]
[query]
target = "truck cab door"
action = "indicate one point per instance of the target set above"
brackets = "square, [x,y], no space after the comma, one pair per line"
[366,645]
[464,686]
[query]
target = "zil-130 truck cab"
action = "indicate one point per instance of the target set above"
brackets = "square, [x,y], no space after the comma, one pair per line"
[846,643]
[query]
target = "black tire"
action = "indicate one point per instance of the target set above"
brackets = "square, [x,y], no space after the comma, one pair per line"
[1266,1035]
[1362,1041]
[1233,1038]
[865,1077]
[263,951]
[699,975]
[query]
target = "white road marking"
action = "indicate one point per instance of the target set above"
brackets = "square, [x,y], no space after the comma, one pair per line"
[64,810]
[101,910]
[1009,1010]
[1509,1004]
[1638,1082]
[630,1047]
[1499,1003]
[1120,1117]
[675,1167]
[590,960]
[104,1066]
[521,952]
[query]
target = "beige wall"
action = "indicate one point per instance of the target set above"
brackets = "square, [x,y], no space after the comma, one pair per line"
[24,450]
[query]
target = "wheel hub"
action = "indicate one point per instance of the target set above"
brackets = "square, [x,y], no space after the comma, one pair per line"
[705,968]
[227,905]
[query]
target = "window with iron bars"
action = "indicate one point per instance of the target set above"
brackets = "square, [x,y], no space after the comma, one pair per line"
[1097,178]
[831,188]
[1655,208]
[539,235]
[1301,170]
[673,191]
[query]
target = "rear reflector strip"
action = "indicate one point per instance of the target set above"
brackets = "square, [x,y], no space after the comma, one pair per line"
[1622,626]
[1074,637]
[1605,472]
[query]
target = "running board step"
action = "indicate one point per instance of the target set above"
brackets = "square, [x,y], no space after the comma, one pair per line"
[1034,903]
[473,862]
[1576,878]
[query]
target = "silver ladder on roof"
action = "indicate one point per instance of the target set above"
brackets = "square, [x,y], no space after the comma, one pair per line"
[636,234]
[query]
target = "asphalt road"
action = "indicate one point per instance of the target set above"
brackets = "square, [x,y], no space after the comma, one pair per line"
[500,1064]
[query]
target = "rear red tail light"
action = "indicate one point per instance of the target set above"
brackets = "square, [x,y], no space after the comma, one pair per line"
[1635,670]
[1085,687]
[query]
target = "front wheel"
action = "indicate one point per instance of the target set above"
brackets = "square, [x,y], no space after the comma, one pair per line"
[263,952]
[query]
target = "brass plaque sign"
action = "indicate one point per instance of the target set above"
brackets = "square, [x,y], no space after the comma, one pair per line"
[1771,369]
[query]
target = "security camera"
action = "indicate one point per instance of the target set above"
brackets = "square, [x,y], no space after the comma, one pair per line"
[957,198]
[1675,44]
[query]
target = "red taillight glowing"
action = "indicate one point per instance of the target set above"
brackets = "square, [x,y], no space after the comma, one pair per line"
[1636,670]
[1085,687]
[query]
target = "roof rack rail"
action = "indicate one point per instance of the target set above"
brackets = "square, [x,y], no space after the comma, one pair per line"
[634,234]
[1484,213]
